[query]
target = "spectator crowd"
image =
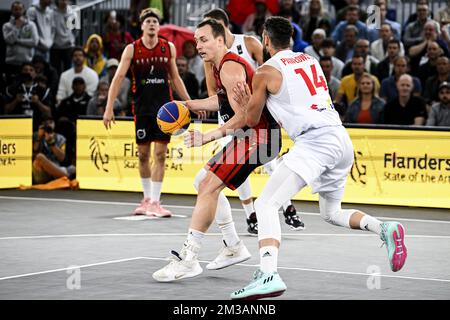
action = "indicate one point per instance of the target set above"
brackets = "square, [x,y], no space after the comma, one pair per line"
[393,73]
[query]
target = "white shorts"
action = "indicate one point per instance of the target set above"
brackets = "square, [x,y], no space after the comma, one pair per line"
[322,158]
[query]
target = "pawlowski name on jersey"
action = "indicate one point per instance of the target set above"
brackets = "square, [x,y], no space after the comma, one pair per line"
[150,77]
[225,109]
[303,101]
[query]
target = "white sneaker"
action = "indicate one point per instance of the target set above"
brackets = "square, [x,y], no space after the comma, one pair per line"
[229,255]
[178,269]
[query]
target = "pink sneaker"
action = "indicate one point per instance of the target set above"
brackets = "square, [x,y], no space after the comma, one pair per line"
[157,210]
[142,208]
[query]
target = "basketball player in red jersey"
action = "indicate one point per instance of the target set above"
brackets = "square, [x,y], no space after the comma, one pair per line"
[152,63]
[247,150]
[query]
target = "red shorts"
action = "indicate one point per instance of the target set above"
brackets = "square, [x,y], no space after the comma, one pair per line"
[234,163]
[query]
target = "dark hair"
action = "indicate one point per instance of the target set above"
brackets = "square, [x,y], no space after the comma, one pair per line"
[26,64]
[402,57]
[218,14]
[78,80]
[78,49]
[326,58]
[396,41]
[150,12]
[328,42]
[17,2]
[41,78]
[357,56]
[217,29]
[279,30]
[352,7]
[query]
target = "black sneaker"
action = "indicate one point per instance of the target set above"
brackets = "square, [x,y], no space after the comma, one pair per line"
[252,224]
[292,219]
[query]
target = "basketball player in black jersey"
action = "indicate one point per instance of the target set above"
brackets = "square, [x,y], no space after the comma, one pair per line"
[153,67]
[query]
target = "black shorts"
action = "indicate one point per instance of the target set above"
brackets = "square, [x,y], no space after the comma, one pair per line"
[147,130]
[237,160]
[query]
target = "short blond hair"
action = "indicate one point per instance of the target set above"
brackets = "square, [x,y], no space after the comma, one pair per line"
[150,12]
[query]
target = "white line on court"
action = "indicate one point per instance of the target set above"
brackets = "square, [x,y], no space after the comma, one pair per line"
[298,234]
[69,268]
[326,271]
[239,264]
[189,207]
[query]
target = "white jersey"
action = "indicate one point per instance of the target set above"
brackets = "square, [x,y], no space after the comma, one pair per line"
[303,101]
[240,49]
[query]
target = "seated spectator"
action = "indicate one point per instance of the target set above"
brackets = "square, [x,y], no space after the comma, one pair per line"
[78,70]
[97,104]
[315,48]
[351,19]
[328,49]
[29,96]
[42,67]
[76,104]
[386,67]
[346,48]
[440,111]
[432,84]
[413,16]
[362,49]
[388,90]
[418,53]
[49,149]
[111,67]
[21,37]
[414,31]
[428,68]
[406,109]
[379,48]
[315,17]
[115,39]
[289,6]
[347,90]
[94,54]
[194,60]
[342,13]
[255,21]
[188,78]
[64,41]
[326,62]
[367,107]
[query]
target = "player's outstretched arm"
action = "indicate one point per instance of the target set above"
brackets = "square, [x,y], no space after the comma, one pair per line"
[116,82]
[206,104]
[255,49]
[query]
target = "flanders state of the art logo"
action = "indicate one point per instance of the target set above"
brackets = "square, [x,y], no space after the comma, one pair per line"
[99,157]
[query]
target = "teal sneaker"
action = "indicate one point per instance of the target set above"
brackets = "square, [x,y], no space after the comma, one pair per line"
[263,285]
[393,235]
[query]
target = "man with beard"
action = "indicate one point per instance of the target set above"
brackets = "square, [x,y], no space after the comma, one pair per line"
[440,112]
[293,87]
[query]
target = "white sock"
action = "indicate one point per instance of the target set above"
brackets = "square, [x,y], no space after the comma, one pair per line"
[156,190]
[286,205]
[269,259]
[249,209]
[370,223]
[147,187]
[229,233]
[194,238]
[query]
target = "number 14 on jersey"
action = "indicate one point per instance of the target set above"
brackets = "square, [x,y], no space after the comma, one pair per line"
[317,82]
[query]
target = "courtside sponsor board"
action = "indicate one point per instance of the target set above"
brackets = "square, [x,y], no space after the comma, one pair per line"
[15,152]
[392,167]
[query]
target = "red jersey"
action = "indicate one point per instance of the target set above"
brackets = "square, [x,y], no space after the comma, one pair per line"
[150,77]
[225,109]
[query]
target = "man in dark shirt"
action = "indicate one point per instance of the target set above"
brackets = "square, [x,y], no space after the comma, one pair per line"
[76,104]
[406,109]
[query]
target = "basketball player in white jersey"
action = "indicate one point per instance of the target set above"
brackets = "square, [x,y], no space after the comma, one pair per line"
[294,88]
[250,49]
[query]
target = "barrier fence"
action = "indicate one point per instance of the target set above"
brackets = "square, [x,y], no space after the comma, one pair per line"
[391,167]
